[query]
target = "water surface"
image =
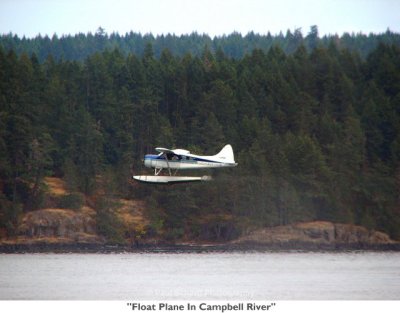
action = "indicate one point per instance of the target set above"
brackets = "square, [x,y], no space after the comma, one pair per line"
[198,276]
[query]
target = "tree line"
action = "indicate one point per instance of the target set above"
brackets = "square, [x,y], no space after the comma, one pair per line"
[315,133]
[234,45]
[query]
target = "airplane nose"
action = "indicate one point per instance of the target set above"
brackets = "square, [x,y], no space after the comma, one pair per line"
[147,162]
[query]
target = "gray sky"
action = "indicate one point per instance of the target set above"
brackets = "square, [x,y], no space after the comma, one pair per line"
[213,17]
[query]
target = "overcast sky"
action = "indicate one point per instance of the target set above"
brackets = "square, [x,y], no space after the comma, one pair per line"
[213,17]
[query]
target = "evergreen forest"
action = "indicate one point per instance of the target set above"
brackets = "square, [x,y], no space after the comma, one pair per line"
[314,124]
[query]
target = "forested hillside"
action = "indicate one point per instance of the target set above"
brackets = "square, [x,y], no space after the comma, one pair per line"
[315,130]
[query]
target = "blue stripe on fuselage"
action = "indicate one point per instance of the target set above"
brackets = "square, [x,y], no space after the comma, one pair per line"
[204,160]
[183,159]
[153,157]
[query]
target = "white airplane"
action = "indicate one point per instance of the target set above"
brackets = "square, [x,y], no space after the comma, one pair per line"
[179,159]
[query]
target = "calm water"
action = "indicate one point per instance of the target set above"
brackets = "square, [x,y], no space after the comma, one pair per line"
[199,276]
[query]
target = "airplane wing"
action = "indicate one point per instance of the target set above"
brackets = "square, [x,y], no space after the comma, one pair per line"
[164,150]
[181,152]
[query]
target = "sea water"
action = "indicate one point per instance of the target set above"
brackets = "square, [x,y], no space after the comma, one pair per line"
[197,276]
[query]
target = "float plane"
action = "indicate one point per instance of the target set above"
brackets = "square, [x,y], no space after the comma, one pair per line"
[174,160]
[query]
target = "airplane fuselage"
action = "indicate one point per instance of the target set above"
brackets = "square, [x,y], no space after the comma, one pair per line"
[183,162]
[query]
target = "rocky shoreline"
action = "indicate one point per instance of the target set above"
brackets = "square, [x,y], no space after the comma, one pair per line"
[308,236]
[62,230]
[317,235]
[190,248]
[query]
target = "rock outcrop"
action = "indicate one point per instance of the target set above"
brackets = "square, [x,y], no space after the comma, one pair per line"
[59,226]
[317,234]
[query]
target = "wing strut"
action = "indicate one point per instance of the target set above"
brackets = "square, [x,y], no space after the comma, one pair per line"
[169,169]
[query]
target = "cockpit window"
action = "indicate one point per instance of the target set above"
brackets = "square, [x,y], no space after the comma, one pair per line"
[173,157]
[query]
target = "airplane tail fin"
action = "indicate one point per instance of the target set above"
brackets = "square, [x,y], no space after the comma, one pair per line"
[226,154]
